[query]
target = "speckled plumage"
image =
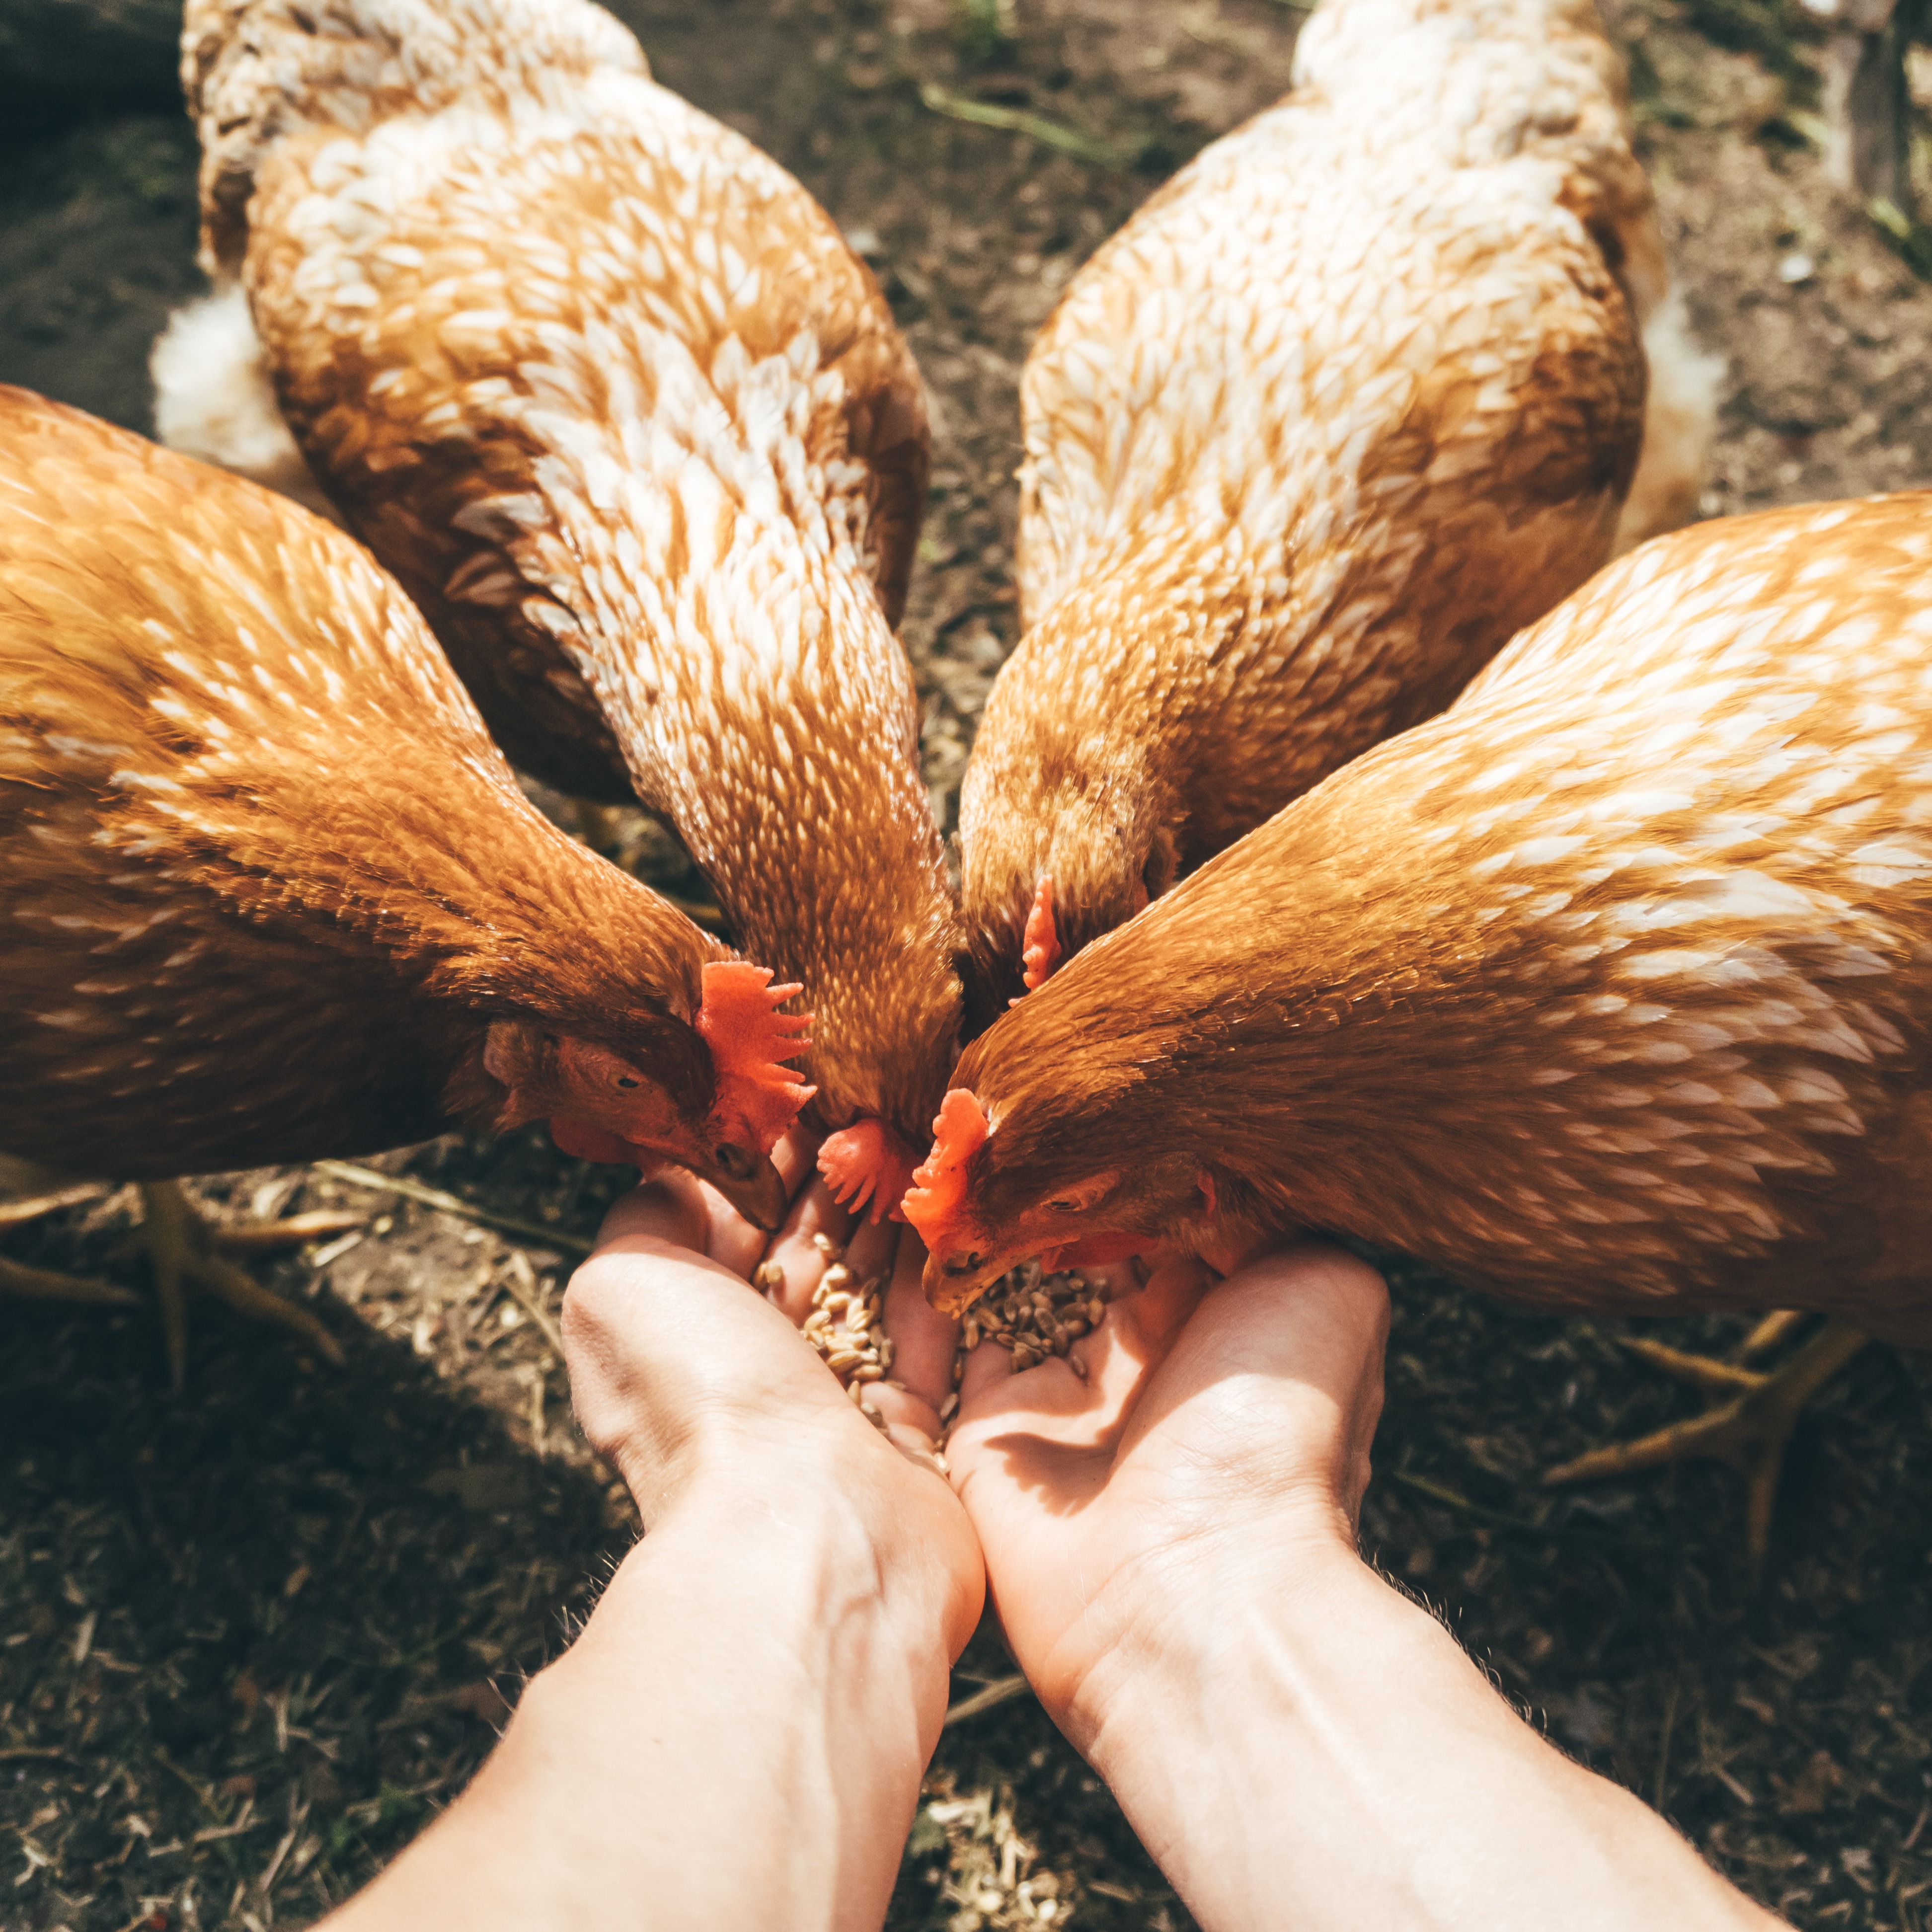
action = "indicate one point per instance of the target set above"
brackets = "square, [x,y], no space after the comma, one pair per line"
[608,391]
[1357,395]
[1611,988]
[266,883]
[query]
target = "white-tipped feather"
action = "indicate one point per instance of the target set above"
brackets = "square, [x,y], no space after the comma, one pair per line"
[1680,420]
[213,400]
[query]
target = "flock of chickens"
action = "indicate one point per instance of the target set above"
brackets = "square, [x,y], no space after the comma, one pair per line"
[1302,884]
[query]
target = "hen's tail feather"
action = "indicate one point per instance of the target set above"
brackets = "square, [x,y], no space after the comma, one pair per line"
[214,401]
[1679,423]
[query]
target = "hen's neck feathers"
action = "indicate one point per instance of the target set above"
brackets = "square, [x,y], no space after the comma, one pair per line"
[611,395]
[262,719]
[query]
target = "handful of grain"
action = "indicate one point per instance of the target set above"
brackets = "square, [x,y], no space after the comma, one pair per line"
[1032,1315]
[846,1324]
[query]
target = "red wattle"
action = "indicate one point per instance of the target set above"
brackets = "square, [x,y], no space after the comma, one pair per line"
[1097,1251]
[585,1141]
[864,1162]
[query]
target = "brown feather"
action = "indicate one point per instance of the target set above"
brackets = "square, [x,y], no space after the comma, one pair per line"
[610,394]
[1356,396]
[265,882]
[1611,988]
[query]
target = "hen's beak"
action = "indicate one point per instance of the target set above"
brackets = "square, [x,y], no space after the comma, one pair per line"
[956,1278]
[749,1181]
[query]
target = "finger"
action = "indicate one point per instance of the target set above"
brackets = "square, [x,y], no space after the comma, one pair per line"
[796,1157]
[924,1341]
[817,1229]
[669,1207]
[1290,1347]
[869,1253]
[730,1239]
[1150,1322]
[920,1450]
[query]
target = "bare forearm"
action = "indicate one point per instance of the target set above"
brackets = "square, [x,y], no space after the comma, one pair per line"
[1341,1763]
[736,1738]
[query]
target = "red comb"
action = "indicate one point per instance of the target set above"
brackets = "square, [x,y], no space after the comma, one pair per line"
[940,1186]
[867,1162]
[1041,943]
[749,1039]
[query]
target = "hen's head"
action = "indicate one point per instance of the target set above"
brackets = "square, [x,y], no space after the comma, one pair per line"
[1042,882]
[714,1097]
[990,1197]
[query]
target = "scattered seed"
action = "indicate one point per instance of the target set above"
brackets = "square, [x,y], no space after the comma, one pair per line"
[947,1408]
[768,1276]
[843,1328]
[1033,1317]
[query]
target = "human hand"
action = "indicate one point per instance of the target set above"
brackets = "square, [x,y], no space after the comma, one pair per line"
[736,1735]
[1220,1441]
[819,1235]
[696,1388]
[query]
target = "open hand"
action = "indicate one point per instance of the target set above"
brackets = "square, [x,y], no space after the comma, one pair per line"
[920,1376]
[1215,1422]
[689,1382]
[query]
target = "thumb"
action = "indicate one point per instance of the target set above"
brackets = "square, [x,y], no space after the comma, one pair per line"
[671,1356]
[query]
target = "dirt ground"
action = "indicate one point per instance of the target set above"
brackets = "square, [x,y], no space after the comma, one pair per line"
[251,1638]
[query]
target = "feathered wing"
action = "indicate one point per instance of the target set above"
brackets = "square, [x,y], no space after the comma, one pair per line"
[433,471]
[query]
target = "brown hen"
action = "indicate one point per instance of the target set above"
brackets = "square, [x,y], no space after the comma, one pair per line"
[1610,989]
[1357,395]
[610,394]
[268,892]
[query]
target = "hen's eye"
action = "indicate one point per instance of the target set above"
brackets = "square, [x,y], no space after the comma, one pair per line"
[624,1080]
[1064,1207]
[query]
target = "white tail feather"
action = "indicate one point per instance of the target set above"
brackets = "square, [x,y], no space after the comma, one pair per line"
[213,399]
[1679,423]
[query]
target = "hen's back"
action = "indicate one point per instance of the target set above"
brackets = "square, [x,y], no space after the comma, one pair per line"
[510,293]
[1428,265]
[233,763]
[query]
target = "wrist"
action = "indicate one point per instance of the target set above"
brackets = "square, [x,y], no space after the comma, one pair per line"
[1234,1722]
[820,1544]
[1193,1618]
[737,1736]
[1184,1609]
